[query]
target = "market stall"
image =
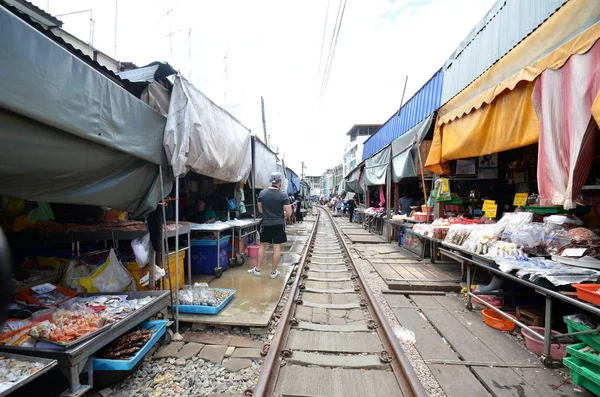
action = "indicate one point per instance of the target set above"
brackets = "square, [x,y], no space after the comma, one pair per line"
[72,332]
[547,257]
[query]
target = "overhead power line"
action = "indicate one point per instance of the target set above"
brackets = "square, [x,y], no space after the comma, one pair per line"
[323,43]
[332,48]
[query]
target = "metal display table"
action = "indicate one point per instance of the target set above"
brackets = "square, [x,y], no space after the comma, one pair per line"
[48,365]
[216,229]
[240,228]
[373,223]
[76,359]
[472,259]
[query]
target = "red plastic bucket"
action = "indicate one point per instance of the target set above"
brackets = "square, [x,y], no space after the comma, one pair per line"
[536,346]
[253,251]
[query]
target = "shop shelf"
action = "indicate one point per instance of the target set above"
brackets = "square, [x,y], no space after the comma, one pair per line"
[582,376]
[199,309]
[592,340]
[158,327]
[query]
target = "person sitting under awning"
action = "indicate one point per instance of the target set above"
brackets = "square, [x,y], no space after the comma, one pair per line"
[201,214]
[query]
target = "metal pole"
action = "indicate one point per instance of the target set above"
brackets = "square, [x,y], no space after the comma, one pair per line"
[403,92]
[423,183]
[262,107]
[163,235]
[548,328]
[254,177]
[388,195]
[176,255]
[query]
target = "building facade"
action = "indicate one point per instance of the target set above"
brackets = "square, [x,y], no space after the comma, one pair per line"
[353,151]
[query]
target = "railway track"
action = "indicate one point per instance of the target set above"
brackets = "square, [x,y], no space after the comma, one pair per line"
[332,339]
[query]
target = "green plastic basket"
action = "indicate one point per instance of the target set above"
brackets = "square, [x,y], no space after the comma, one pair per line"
[592,359]
[557,209]
[582,376]
[592,340]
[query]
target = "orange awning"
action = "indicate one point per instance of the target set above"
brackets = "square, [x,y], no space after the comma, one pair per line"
[481,121]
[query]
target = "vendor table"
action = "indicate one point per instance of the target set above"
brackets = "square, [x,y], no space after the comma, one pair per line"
[240,227]
[373,223]
[472,259]
[216,229]
[76,359]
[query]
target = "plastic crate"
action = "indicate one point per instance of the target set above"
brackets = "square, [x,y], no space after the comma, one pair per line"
[157,326]
[592,340]
[199,309]
[592,359]
[204,255]
[587,292]
[582,376]
[26,295]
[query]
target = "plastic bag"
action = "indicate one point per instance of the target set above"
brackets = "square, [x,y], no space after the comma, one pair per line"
[158,273]
[76,270]
[142,248]
[405,335]
[110,277]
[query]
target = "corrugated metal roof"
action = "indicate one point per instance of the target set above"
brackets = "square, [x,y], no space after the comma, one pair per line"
[134,88]
[504,26]
[422,104]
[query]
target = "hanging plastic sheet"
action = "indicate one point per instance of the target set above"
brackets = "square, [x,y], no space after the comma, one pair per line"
[563,102]
[69,134]
[376,167]
[265,162]
[293,182]
[202,137]
[353,180]
[405,151]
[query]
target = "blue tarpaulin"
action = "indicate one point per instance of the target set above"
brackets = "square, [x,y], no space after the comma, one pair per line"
[293,182]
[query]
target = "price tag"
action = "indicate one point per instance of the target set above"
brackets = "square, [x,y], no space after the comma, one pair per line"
[520,199]
[488,204]
[490,213]
[574,252]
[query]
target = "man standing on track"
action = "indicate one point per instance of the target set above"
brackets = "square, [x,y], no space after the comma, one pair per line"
[275,206]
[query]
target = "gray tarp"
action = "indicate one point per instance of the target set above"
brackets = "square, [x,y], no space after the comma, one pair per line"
[108,138]
[203,138]
[352,180]
[376,167]
[265,162]
[405,151]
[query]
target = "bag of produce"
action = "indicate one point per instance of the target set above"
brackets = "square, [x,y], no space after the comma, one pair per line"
[109,277]
[76,270]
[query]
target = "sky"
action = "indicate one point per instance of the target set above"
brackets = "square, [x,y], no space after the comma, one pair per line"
[236,51]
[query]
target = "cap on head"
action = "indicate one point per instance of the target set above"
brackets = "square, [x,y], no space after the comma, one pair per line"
[275,177]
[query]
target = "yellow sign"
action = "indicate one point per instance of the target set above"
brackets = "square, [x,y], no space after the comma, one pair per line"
[520,200]
[487,204]
[490,213]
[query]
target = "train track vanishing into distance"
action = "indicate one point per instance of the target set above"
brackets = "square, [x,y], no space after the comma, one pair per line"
[332,339]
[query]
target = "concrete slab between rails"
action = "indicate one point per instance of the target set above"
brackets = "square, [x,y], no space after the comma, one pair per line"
[312,262]
[332,328]
[329,291]
[343,342]
[369,361]
[336,382]
[332,305]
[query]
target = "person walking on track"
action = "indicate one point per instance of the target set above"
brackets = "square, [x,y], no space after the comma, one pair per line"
[275,206]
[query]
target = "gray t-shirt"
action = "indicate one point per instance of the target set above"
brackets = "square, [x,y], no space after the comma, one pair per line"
[272,201]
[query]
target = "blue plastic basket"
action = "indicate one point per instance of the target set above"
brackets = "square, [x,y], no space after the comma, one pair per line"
[199,309]
[158,327]
[204,255]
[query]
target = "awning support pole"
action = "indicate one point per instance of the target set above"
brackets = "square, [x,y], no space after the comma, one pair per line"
[176,255]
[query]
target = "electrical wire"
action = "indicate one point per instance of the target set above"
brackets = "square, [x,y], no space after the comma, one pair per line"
[323,43]
[332,49]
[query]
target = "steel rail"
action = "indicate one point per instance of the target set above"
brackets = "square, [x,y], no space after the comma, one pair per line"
[407,378]
[267,378]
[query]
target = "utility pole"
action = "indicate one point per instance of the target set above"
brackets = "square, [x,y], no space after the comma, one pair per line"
[303,167]
[403,92]
[262,106]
